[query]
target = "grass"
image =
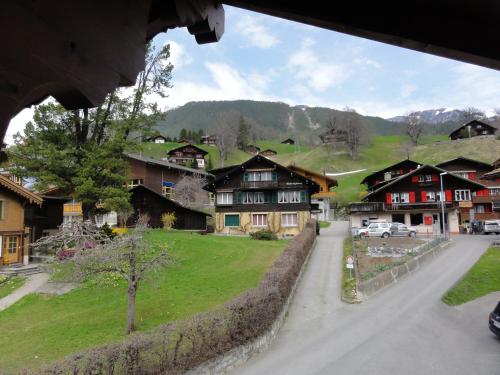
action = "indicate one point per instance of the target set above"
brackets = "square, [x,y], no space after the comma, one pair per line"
[209,270]
[280,148]
[483,278]
[324,224]
[348,283]
[10,285]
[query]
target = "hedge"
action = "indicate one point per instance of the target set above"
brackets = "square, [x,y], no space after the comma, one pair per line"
[179,346]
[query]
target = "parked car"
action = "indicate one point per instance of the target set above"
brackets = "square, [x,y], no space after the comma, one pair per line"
[379,230]
[491,226]
[494,321]
[402,230]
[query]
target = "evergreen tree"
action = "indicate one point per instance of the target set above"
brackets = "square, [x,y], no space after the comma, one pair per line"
[243,135]
[183,134]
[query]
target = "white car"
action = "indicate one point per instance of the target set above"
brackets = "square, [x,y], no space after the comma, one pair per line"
[376,230]
[402,230]
[491,226]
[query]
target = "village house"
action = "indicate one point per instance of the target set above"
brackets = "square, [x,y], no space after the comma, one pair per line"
[261,194]
[252,149]
[268,152]
[210,140]
[158,139]
[486,202]
[373,181]
[415,199]
[320,201]
[473,128]
[159,175]
[146,201]
[288,141]
[188,155]
[14,234]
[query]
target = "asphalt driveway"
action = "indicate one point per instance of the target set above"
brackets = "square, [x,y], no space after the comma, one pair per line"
[404,329]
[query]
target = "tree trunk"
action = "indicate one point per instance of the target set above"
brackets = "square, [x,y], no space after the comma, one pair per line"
[132,291]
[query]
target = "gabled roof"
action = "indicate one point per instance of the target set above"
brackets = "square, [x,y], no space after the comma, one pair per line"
[156,137]
[417,171]
[267,150]
[331,181]
[493,173]
[390,168]
[470,123]
[142,187]
[171,152]
[20,191]
[288,140]
[162,163]
[467,160]
[242,167]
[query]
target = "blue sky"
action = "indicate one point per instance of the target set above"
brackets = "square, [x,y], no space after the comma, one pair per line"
[265,58]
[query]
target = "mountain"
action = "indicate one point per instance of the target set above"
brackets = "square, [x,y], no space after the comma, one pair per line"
[435,116]
[272,119]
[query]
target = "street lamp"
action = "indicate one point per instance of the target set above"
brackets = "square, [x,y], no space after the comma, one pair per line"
[442,202]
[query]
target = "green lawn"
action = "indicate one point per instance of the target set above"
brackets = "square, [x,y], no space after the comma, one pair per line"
[348,279]
[209,270]
[324,224]
[281,148]
[483,278]
[10,285]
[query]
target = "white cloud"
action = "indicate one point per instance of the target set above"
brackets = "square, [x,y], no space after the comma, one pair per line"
[319,75]
[407,90]
[179,57]
[367,61]
[255,32]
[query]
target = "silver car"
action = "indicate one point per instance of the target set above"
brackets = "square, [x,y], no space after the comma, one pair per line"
[402,230]
[491,226]
[379,230]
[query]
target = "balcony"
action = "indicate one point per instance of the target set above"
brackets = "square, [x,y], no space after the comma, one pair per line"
[367,207]
[417,206]
[259,184]
[495,206]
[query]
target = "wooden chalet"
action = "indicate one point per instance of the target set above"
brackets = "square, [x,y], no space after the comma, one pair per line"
[188,155]
[414,199]
[14,234]
[210,140]
[288,141]
[473,128]
[158,175]
[323,198]
[268,152]
[158,139]
[261,194]
[252,149]
[373,181]
[486,202]
[147,201]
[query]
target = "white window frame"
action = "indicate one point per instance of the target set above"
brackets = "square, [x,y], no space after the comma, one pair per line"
[260,223]
[258,197]
[224,198]
[421,178]
[167,192]
[479,209]
[494,191]
[395,198]
[133,182]
[404,197]
[247,197]
[286,223]
[428,178]
[282,197]
[431,196]
[462,195]
[438,196]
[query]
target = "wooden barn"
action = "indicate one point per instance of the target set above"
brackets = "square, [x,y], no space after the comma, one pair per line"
[288,141]
[474,128]
[147,201]
[268,152]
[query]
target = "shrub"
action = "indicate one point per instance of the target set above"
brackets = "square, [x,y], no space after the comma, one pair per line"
[65,254]
[264,235]
[179,346]
[168,220]
[108,231]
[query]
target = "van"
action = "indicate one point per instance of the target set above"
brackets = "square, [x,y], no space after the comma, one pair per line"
[491,226]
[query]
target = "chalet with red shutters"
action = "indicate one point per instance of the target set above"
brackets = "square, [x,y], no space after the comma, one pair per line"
[486,202]
[386,175]
[414,198]
[188,156]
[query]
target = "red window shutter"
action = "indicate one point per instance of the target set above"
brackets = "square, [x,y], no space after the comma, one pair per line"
[486,192]
[388,198]
[414,178]
[435,178]
[448,195]
[472,175]
[479,193]
[412,197]
[423,196]
[400,171]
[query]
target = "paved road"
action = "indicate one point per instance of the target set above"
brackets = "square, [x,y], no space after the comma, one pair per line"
[404,329]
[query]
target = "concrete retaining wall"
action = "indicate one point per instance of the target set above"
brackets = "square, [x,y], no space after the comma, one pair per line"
[243,353]
[370,287]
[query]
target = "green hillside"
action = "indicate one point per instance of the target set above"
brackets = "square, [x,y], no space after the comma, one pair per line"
[272,119]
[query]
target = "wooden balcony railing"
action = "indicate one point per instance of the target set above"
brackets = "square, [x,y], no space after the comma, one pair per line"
[259,184]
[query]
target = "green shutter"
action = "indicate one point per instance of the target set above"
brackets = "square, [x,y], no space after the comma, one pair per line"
[274,197]
[267,196]
[303,196]
[274,176]
[238,197]
[245,176]
[232,220]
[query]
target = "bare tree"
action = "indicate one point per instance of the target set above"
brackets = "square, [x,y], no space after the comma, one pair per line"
[226,133]
[355,132]
[189,191]
[472,113]
[414,127]
[406,149]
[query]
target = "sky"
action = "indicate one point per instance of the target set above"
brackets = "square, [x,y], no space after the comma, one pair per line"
[260,57]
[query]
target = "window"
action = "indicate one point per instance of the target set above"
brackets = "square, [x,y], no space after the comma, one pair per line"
[398,218]
[428,178]
[259,176]
[416,219]
[438,196]
[259,220]
[421,178]
[291,196]
[494,191]
[232,220]
[405,197]
[289,220]
[462,195]
[225,198]
[134,182]
[258,197]
[247,197]
[12,244]
[479,209]
[395,198]
[167,192]
[431,196]
[211,198]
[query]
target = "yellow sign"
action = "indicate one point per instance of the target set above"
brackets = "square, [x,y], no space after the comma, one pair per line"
[465,204]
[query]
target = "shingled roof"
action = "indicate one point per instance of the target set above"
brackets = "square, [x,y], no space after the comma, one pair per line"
[20,191]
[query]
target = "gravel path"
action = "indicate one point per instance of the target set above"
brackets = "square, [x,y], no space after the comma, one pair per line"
[32,285]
